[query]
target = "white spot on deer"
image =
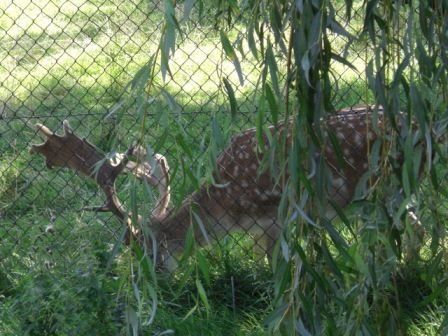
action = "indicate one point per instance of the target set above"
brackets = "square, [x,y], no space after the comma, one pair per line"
[254,167]
[338,182]
[365,165]
[351,117]
[264,197]
[244,184]
[250,130]
[340,186]
[273,193]
[236,170]
[358,139]
[351,160]
[347,151]
[241,155]
[340,135]
[245,203]
[332,123]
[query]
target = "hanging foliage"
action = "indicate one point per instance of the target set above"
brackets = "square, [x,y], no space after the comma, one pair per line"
[343,277]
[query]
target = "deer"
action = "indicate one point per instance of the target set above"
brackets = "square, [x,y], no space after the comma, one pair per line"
[244,197]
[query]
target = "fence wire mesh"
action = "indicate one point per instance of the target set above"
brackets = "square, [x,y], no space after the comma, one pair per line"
[72,60]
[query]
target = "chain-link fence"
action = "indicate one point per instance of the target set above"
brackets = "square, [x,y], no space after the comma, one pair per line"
[63,60]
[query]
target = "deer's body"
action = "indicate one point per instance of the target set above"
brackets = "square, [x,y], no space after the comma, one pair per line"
[247,199]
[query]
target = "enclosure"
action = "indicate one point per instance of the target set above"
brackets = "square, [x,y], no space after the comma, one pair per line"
[182,79]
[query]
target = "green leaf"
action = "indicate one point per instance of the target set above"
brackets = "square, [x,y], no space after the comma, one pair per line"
[203,267]
[154,302]
[336,27]
[284,248]
[348,9]
[231,95]
[277,314]
[270,97]
[231,55]
[186,170]
[429,150]
[337,150]
[361,190]
[202,295]
[259,122]
[417,164]
[185,148]
[303,215]
[293,164]
[189,244]
[145,262]
[188,6]
[342,217]
[301,329]
[405,181]
[321,281]
[190,312]
[227,46]
[419,107]
[201,226]
[329,259]
[338,240]
[168,39]
[306,66]
[217,134]
[173,105]
[131,317]
[251,41]
[315,31]
[136,292]
[343,61]
[162,140]
[164,63]
[140,79]
[408,167]
[134,203]
[273,69]
[276,22]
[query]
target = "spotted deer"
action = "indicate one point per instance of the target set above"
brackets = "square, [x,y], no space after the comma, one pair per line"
[244,197]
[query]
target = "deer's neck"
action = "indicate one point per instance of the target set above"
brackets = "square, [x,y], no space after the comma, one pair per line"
[173,227]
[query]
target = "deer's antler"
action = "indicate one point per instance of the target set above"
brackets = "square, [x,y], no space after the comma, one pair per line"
[78,154]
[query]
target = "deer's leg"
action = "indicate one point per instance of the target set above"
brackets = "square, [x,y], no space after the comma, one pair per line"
[265,233]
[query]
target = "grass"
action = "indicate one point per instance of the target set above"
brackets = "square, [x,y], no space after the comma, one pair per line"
[63,61]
